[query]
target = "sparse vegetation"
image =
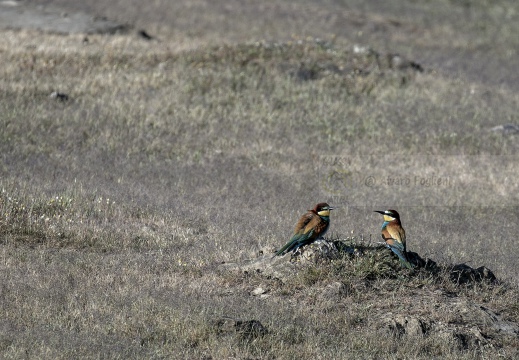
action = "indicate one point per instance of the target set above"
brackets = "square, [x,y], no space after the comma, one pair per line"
[130,208]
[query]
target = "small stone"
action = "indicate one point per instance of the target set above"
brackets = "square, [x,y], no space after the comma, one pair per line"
[58,96]
[486,274]
[506,129]
[247,329]
[143,34]
[258,291]
[401,325]
[464,274]
[333,291]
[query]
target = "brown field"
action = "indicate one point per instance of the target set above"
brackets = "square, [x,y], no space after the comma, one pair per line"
[132,208]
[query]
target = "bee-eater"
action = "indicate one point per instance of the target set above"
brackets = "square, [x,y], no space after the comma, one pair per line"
[312,226]
[394,235]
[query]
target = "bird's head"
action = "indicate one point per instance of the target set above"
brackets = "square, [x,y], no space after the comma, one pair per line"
[322,209]
[389,215]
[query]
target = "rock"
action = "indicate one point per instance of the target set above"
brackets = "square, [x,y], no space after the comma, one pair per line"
[464,274]
[258,291]
[251,329]
[398,62]
[464,339]
[59,96]
[458,321]
[334,291]
[400,325]
[506,129]
[486,274]
[319,250]
[246,329]
[485,317]
[143,34]
[282,267]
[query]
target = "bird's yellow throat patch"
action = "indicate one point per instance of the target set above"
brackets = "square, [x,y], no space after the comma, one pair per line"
[388,218]
[324,213]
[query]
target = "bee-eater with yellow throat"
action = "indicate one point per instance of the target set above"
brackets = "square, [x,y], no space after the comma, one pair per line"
[312,226]
[394,235]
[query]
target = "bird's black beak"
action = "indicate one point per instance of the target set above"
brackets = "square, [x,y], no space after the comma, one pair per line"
[380,212]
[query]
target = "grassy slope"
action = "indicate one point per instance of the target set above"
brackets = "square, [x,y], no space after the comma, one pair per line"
[175,155]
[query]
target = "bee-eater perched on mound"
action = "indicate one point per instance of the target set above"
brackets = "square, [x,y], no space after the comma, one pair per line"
[312,226]
[394,235]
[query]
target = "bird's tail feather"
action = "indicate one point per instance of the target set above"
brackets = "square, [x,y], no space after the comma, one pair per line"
[403,257]
[284,249]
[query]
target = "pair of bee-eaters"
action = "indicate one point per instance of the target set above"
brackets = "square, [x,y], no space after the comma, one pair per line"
[314,224]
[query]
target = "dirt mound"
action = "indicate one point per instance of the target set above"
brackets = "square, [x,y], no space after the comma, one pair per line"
[432,302]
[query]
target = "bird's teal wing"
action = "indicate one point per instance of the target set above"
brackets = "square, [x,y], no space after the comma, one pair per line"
[302,232]
[397,248]
[296,241]
[285,248]
[398,251]
[396,242]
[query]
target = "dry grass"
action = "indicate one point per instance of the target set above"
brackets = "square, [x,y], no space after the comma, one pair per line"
[170,157]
